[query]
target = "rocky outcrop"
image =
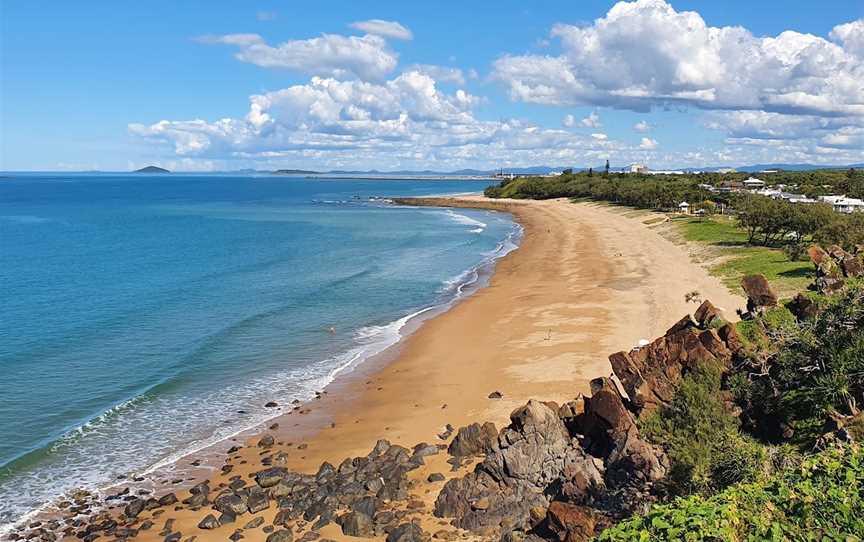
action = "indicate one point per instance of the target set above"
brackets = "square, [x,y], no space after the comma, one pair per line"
[561,472]
[650,374]
[834,265]
[539,460]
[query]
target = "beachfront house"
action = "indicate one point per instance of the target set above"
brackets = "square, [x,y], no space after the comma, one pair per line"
[753,184]
[842,204]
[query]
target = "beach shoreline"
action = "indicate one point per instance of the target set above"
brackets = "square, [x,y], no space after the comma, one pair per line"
[585,282]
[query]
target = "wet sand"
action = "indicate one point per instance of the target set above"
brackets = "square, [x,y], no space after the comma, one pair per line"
[586,281]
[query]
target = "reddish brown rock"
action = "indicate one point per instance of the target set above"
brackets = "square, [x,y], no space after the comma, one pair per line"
[803,307]
[759,292]
[571,523]
[729,334]
[707,313]
[852,267]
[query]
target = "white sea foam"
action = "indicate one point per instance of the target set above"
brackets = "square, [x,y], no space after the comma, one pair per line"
[466,220]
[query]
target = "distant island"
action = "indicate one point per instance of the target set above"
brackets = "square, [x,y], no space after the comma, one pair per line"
[151,169]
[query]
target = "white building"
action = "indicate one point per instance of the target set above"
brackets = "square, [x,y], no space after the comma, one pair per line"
[638,168]
[842,204]
[753,183]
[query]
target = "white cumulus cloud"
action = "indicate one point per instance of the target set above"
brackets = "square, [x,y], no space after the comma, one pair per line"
[568,121]
[331,55]
[388,29]
[644,54]
[443,74]
[642,126]
[648,144]
[591,121]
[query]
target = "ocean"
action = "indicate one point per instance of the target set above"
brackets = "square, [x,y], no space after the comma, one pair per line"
[145,317]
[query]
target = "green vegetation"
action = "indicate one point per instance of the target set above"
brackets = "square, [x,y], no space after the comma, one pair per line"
[782,465]
[739,258]
[812,371]
[701,437]
[820,499]
[761,235]
[765,221]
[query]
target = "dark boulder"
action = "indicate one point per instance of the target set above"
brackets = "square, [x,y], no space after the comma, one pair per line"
[135,507]
[474,439]
[270,477]
[282,535]
[209,522]
[407,532]
[357,524]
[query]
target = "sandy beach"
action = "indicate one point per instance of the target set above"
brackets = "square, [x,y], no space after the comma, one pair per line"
[586,281]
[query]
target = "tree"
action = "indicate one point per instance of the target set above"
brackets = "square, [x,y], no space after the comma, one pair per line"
[590,171]
[606,174]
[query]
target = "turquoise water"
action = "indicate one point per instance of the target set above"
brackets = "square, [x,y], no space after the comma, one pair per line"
[147,316]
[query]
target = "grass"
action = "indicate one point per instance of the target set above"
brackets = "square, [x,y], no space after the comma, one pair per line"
[739,259]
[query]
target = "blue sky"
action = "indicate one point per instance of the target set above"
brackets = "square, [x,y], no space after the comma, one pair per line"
[447,85]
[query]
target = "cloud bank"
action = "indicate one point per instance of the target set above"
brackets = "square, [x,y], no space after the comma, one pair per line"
[792,97]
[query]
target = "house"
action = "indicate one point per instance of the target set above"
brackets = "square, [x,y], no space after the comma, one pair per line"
[842,204]
[753,183]
[684,208]
[638,168]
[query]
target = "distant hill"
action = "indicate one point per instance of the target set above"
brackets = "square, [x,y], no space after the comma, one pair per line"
[151,169]
[294,172]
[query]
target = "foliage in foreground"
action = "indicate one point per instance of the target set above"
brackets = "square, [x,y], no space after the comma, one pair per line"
[820,499]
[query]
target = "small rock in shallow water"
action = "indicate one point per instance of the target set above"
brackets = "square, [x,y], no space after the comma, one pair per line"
[271,404]
[495,395]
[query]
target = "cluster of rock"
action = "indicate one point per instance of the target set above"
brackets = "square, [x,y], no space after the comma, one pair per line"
[563,472]
[835,265]
[366,496]
[360,495]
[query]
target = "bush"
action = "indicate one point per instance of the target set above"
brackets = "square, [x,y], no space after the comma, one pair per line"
[800,374]
[820,499]
[701,438]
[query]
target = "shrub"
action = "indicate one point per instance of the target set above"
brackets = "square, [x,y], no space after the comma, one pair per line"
[701,437]
[820,499]
[800,374]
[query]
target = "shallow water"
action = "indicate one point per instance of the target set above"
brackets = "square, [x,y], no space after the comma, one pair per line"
[147,316]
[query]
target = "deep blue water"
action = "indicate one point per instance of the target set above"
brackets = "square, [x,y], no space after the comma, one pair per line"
[141,313]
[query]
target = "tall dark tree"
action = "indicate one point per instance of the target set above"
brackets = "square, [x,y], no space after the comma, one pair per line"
[606,174]
[590,171]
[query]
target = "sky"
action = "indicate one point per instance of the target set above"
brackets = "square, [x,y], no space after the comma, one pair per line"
[210,86]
